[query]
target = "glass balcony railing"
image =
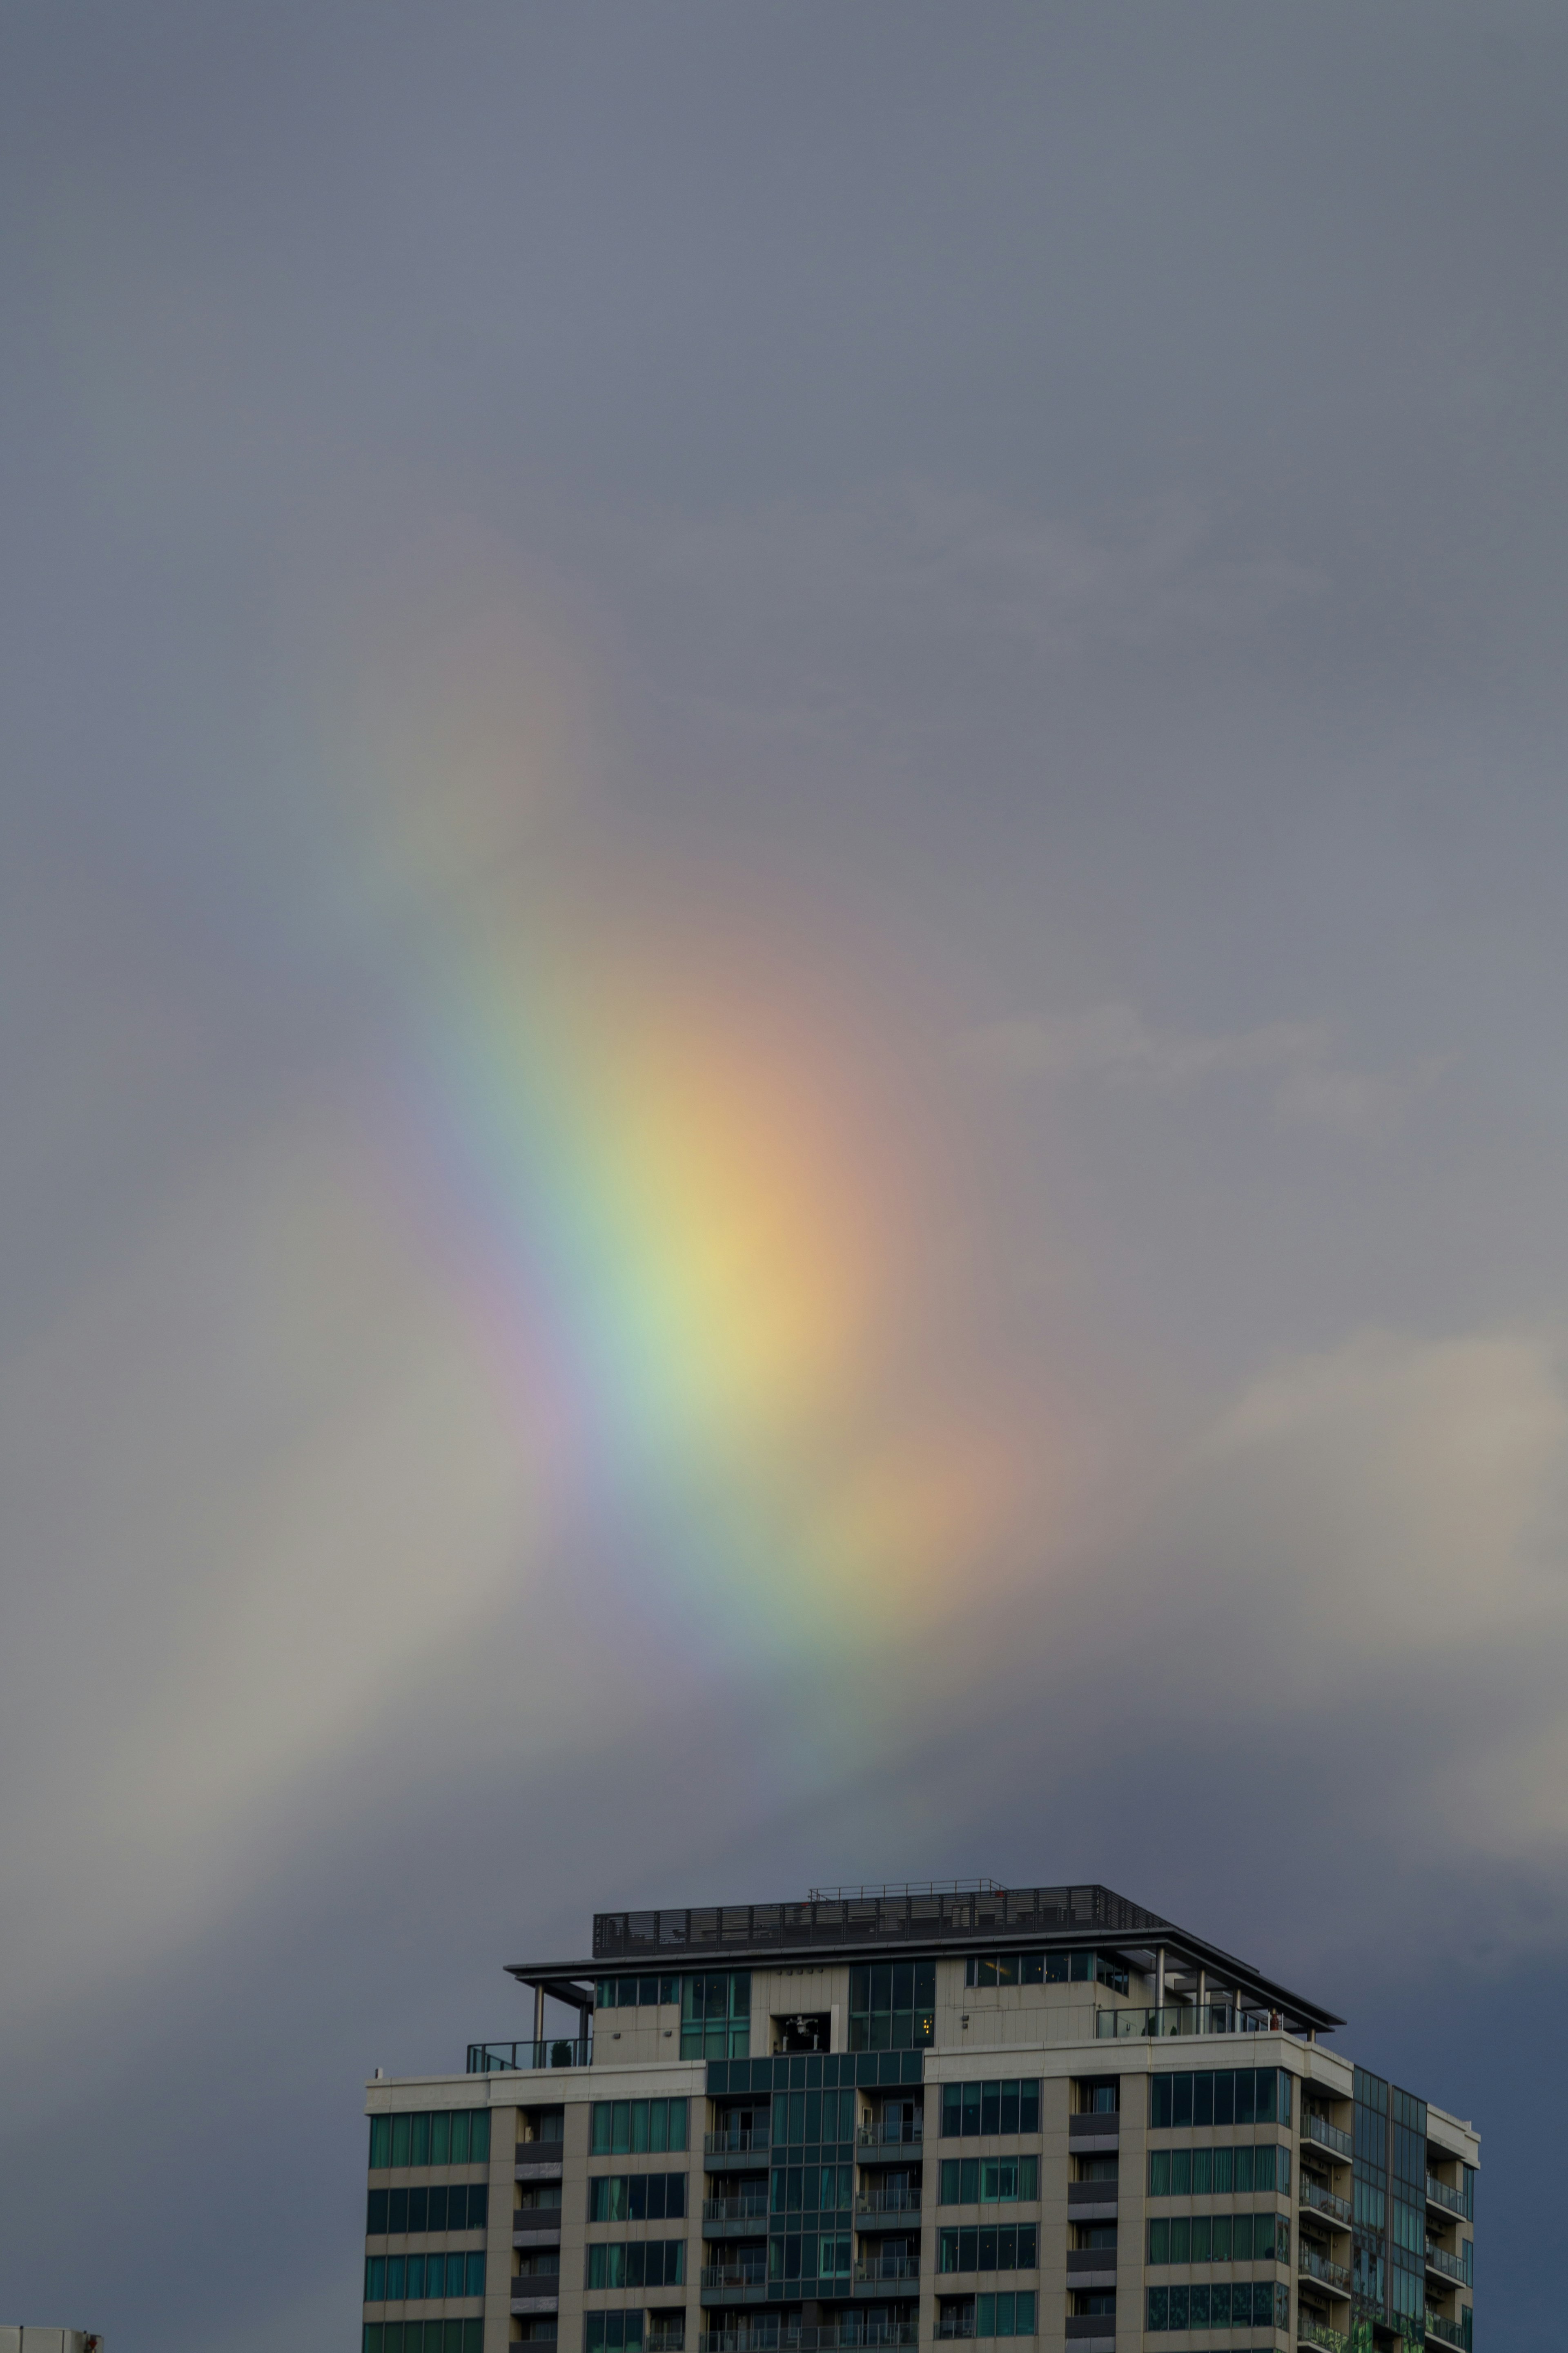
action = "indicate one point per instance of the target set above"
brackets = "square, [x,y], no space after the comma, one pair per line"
[879,2268]
[841,2336]
[736,2210]
[1453,2267]
[1323,2201]
[1318,2128]
[1135,2024]
[505,2058]
[1313,2265]
[1310,2331]
[736,2275]
[893,2133]
[1440,2194]
[1447,2332]
[889,2201]
[735,2144]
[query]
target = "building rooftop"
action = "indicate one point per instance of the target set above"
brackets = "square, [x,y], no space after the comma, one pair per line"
[925,1917]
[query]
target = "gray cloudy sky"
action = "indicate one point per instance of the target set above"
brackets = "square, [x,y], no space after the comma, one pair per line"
[781,1006]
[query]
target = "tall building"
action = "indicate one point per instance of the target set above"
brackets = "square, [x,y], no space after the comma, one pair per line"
[891,2116]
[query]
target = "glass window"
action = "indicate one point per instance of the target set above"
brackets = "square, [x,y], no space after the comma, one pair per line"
[892,2005]
[631,2125]
[1001,2104]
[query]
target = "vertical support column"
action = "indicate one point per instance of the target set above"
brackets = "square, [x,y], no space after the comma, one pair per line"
[538,2015]
[1203,1999]
[1160,1989]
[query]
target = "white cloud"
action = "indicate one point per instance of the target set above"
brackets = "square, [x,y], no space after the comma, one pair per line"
[1114,1045]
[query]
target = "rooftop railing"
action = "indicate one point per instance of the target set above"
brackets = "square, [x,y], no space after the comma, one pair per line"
[504,2058]
[1137,2023]
[1318,2128]
[1323,2201]
[857,1919]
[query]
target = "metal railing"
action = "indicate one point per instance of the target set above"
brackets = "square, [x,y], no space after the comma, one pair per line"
[736,2144]
[1315,2332]
[1447,2332]
[1454,2200]
[1452,2267]
[842,2338]
[736,2210]
[734,2275]
[1318,2128]
[889,2201]
[1313,2266]
[872,2268]
[1183,2018]
[898,2134]
[1323,2201]
[522,2058]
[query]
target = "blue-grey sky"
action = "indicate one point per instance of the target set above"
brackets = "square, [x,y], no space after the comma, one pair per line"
[781,992]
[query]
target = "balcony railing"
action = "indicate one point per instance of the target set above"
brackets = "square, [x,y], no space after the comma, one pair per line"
[1323,2201]
[736,2144]
[1452,2267]
[736,2275]
[873,2269]
[1183,2018]
[1313,2266]
[507,2058]
[889,2201]
[898,2133]
[1318,2128]
[736,2210]
[1447,2332]
[840,2337]
[1316,2332]
[1454,2200]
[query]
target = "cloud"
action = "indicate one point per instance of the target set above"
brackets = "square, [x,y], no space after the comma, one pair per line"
[1114,1045]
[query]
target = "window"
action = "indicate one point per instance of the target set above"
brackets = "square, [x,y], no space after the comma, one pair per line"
[415,2279]
[815,2189]
[631,2124]
[424,2337]
[1094,2299]
[998,2247]
[716,2016]
[461,2206]
[1217,2172]
[1045,1969]
[611,2332]
[1219,2238]
[801,2119]
[1221,2095]
[636,2197]
[801,2256]
[1096,2169]
[430,2136]
[1243,2304]
[634,1993]
[987,2180]
[636,2263]
[892,2005]
[541,2124]
[1008,2104]
[1098,2095]
[1011,2314]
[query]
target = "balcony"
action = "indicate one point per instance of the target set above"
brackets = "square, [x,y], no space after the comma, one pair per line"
[1096,2129]
[527,2297]
[1446,2266]
[527,2058]
[844,2336]
[1091,2267]
[1310,2331]
[1452,2201]
[1319,2130]
[879,2211]
[535,2226]
[888,2271]
[1319,2201]
[735,2282]
[1091,2201]
[732,2152]
[1313,2265]
[1139,2025]
[727,2216]
[897,2132]
[1447,2332]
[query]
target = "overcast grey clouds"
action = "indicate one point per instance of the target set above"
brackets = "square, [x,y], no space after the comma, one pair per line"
[782,993]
